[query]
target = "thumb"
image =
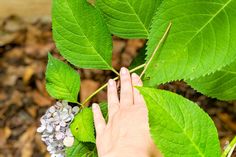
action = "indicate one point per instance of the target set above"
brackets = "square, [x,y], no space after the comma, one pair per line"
[99,121]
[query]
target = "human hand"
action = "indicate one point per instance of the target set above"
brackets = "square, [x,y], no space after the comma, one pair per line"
[127,132]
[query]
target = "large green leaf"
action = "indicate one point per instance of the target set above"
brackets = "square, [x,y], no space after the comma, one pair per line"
[201,40]
[104,109]
[221,84]
[82,126]
[129,18]
[62,81]
[139,60]
[178,126]
[81,34]
[81,149]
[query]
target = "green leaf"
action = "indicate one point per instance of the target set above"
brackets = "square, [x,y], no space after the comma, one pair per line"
[81,149]
[104,109]
[139,60]
[178,126]
[82,126]
[197,43]
[129,18]
[62,81]
[220,85]
[81,34]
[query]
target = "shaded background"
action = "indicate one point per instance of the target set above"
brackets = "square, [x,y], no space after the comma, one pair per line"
[25,40]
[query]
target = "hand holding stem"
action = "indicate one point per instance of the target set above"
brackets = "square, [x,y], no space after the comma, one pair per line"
[127,131]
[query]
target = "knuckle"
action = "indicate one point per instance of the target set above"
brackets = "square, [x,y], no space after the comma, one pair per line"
[125,79]
[126,94]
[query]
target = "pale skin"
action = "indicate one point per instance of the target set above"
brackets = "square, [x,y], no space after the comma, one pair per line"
[126,134]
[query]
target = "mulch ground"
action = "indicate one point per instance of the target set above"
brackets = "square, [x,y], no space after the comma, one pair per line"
[23,98]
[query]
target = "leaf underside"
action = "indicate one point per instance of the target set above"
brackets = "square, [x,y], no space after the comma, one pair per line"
[129,18]
[82,126]
[62,81]
[178,126]
[81,34]
[220,85]
[197,44]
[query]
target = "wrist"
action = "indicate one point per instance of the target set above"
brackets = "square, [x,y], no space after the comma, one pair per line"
[126,154]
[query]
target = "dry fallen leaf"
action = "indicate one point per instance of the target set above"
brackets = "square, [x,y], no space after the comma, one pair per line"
[41,100]
[14,24]
[41,146]
[15,54]
[28,73]
[9,80]
[118,46]
[25,143]
[3,96]
[5,133]
[133,45]
[15,70]
[27,151]
[16,98]
[41,84]
[227,120]
[87,88]
[8,38]
[102,96]
[32,110]
[32,35]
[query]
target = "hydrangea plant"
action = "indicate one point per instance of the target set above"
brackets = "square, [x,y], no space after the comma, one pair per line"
[189,40]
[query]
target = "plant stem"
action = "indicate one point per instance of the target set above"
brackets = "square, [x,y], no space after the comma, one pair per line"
[105,85]
[78,103]
[114,70]
[230,148]
[137,68]
[157,47]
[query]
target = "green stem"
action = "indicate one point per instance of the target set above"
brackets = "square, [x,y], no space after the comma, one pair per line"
[230,148]
[114,70]
[157,47]
[79,103]
[105,85]
[137,68]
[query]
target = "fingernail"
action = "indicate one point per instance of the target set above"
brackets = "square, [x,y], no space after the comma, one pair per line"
[111,82]
[95,107]
[134,75]
[123,70]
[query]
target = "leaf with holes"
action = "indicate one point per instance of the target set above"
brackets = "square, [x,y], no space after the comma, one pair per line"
[82,126]
[178,126]
[129,18]
[197,44]
[62,81]
[81,34]
[220,85]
